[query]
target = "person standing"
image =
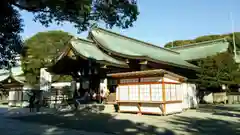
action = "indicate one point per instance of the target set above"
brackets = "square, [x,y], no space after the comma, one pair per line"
[31,102]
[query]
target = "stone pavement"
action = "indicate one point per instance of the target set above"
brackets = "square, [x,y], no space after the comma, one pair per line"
[187,123]
[14,127]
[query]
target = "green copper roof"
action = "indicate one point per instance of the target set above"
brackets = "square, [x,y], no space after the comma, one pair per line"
[88,50]
[4,74]
[132,48]
[16,73]
[202,49]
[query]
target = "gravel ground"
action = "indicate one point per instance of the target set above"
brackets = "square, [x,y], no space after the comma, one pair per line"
[197,122]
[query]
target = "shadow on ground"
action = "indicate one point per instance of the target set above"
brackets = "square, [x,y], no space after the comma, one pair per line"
[205,126]
[94,122]
[224,107]
[192,122]
[3,109]
[221,110]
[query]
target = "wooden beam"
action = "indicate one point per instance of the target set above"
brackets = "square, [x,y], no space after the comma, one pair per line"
[181,80]
[70,53]
[164,96]
[145,62]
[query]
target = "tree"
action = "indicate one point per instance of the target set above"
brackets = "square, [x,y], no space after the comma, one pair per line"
[215,70]
[39,51]
[10,28]
[81,13]
[178,43]
[229,37]
[218,70]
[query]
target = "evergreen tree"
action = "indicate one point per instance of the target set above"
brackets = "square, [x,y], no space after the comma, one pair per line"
[40,50]
[81,13]
[218,70]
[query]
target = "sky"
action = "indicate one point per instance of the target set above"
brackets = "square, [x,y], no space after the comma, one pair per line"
[162,21]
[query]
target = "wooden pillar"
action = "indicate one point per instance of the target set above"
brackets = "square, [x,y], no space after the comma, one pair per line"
[102,86]
[139,80]
[98,81]
[118,91]
[164,96]
[80,89]
[21,98]
[128,92]
[139,109]
[118,84]
[139,104]
[150,88]
[56,94]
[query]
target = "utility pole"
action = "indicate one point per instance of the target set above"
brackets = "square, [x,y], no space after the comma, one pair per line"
[233,36]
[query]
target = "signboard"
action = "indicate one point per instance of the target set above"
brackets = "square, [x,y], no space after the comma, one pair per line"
[126,81]
[45,80]
[151,79]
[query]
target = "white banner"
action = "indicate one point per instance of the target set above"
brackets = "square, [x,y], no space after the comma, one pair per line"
[45,80]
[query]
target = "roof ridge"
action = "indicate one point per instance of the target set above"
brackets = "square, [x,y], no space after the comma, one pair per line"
[197,44]
[87,41]
[134,39]
[73,38]
[83,40]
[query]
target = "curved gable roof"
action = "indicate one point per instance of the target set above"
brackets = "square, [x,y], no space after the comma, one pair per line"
[132,48]
[202,49]
[15,73]
[87,49]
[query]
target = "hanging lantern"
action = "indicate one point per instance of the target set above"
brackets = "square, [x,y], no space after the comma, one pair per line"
[9,80]
[127,61]
[90,72]
[79,73]
[224,87]
[95,71]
